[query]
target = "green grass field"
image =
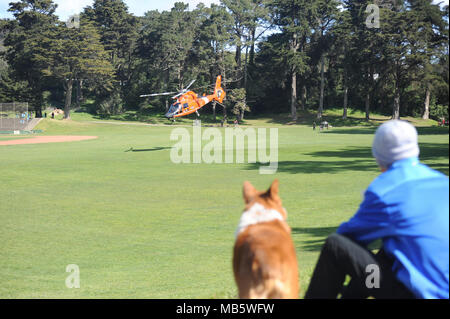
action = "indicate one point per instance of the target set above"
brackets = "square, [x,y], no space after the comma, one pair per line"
[139,226]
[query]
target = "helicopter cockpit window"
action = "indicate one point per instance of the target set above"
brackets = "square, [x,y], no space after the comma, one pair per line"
[174,107]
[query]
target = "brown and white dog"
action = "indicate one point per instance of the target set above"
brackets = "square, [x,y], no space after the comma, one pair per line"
[264,260]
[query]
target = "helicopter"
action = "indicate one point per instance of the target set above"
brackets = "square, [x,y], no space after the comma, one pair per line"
[188,102]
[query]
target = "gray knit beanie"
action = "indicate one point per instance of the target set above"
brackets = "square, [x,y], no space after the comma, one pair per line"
[395,140]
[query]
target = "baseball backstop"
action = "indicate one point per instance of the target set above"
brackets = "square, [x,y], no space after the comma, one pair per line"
[14,117]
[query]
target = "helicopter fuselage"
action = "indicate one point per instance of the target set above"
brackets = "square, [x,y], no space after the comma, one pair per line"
[188,103]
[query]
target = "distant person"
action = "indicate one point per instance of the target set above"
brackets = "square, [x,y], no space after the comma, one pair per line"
[314,126]
[407,207]
[53,115]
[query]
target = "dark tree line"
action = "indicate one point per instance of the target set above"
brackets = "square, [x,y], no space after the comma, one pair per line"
[276,56]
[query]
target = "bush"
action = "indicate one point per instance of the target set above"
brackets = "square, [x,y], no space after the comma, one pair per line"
[238,98]
[438,111]
[112,105]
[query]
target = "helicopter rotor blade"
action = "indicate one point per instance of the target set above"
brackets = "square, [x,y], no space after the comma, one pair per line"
[157,94]
[190,85]
[179,94]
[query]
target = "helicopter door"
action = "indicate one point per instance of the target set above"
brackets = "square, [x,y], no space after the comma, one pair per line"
[174,109]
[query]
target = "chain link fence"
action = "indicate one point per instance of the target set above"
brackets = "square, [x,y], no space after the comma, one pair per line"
[14,116]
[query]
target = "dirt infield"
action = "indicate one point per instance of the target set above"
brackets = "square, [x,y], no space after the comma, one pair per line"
[47,139]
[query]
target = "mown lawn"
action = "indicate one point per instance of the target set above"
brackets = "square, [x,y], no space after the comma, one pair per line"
[140,226]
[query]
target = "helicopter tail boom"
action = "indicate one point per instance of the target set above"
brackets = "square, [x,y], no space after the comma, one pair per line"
[219,92]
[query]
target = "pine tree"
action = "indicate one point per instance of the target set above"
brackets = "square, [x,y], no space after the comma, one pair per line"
[26,43]
[74,54]
[297,19]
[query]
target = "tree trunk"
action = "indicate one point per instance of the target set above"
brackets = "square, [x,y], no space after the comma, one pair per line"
[78,92]
[68,101]
[396,108]
[238,56]
[426,111]
[367,106]
[294,96]
[214,110]
[80,84]
[245,68]
[242,110]
[322,86]
[294,48]
[303,97]
[252,47]
[344,116]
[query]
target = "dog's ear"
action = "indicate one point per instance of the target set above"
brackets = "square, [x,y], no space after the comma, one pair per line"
[249,192]
[273,190]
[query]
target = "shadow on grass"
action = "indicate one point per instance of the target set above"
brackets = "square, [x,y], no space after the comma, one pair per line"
[309,117]
[428,130]
[432,130]
[147,149]
[320,234]
[362,161]
[443,168]
[323,167]
[351,152]
[356,130]
[430,151]
[355,159]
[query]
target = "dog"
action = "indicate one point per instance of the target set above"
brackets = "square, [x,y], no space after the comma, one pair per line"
[264,259]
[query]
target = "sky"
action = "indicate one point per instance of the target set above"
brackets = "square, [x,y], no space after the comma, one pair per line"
[66,8]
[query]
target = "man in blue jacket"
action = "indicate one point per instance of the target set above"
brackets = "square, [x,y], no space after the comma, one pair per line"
[407,207]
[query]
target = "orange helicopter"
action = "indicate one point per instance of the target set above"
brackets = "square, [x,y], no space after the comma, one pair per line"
[188,102]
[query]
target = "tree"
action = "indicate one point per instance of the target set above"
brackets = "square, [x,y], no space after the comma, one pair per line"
[326,15]
[428,44]
[398,32]
[118,31]
[238,98]
[297,19]
[248,16]
[26,45]
[74,54]
[343,32]
[210,46]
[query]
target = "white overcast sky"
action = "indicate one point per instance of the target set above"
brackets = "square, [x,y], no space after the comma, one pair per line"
[67,8]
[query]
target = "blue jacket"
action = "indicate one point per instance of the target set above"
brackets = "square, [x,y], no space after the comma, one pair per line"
[408,208]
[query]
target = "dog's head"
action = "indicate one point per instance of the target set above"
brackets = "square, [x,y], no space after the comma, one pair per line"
[269,199]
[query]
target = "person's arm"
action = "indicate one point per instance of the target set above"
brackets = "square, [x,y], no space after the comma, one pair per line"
[371,222]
